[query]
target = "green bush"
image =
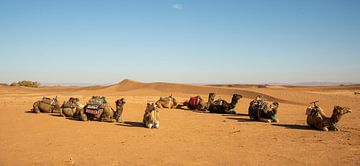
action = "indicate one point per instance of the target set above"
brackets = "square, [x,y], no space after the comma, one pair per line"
[26,83]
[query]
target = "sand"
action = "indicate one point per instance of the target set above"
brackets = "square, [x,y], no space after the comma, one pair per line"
[185,137]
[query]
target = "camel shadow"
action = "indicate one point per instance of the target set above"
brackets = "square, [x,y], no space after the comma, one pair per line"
[30,112]
[293,126]
[240,119]
[56,115]
[237,114]
[131,124]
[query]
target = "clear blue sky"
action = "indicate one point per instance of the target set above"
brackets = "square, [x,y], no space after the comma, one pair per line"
[188,41]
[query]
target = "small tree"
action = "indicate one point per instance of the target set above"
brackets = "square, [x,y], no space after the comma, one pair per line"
[26,83]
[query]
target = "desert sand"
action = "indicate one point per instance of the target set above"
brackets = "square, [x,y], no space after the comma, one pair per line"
[184,137]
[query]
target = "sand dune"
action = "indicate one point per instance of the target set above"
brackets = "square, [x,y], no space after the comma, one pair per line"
[185,137]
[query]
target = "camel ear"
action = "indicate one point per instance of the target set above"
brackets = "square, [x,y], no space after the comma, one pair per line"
[337,107]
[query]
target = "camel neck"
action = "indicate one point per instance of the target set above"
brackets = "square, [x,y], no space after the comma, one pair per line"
[233,102]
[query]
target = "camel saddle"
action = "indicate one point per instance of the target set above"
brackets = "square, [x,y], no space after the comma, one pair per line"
[94,111]
[69,104]
[95,105]
[46,100]
[194,101]
[257,103]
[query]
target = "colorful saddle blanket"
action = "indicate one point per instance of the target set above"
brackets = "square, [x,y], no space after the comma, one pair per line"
[194,101]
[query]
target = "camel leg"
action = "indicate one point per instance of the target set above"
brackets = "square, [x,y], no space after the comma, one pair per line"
[83,117]
[149,125]
[157,125]
[61,113]
[274,119]
[159,105]
[36,109]
[119,119]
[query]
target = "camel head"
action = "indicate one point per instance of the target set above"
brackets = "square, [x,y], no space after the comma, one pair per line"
[150,107]
[211,97]
[235,98]
[274,105]
[120,102]
[338,112]
[74,99]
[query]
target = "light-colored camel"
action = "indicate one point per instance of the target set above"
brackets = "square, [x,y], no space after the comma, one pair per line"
[151,117]
[46,105]
[166,102]
[317,119]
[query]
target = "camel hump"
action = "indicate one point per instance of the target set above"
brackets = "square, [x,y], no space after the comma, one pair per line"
[46,100]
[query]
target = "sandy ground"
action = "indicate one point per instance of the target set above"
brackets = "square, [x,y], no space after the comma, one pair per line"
[184,137]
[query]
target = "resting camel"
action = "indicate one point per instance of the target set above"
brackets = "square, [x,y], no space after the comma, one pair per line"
[166,102]
[46,105]
[151,116]
[97,108]
[260,111]
[222,106]
[317,119]
[69,108]
[194,103]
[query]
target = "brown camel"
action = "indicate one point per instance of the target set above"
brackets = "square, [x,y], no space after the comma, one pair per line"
[46,105]
[97,108]
[317,119]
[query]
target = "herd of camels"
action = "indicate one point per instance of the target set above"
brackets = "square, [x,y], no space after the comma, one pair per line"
[259,110]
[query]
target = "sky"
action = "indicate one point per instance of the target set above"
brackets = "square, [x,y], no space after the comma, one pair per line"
[184,41]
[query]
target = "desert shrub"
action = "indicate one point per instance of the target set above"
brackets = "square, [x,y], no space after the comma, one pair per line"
[26,83]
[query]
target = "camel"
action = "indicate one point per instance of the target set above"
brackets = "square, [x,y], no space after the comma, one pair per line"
[46,105]
[317,119]
[111,115]
[194,103]
[222,106]
[166,102]
[151,116]
[260,111]
[71,107]
[97,108]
